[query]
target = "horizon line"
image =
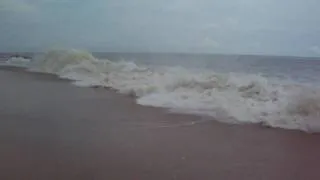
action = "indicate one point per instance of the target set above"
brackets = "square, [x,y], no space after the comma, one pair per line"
[177,53]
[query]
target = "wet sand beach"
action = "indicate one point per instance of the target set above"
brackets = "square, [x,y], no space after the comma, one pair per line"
[53,130]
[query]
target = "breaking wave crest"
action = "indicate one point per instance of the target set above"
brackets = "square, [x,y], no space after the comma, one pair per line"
[228,97]
[18,61]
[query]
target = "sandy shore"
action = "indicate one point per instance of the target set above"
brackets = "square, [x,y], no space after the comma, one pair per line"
[52,130]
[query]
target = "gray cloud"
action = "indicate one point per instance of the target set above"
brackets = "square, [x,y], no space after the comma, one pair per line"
[284,27]
[15,6]
[315,49]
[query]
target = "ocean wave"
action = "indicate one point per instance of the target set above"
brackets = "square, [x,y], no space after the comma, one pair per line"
[18,61]
[228,97]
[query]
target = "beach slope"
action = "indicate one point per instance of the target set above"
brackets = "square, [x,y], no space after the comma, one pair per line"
[52,130]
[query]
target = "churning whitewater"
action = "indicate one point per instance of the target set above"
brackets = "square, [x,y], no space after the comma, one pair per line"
[228,97]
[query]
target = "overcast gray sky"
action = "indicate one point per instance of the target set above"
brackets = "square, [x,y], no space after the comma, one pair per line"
[279,27]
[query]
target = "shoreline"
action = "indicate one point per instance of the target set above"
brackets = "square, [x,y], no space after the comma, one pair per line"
[54,77]
[51,129]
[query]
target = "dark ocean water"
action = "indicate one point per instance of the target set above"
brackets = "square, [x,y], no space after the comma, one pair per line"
[300,69]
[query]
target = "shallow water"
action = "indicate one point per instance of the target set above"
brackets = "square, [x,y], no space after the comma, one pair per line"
[273,91]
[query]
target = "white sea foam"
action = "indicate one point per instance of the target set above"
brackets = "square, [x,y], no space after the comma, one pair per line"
[18,61]
[229,97]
